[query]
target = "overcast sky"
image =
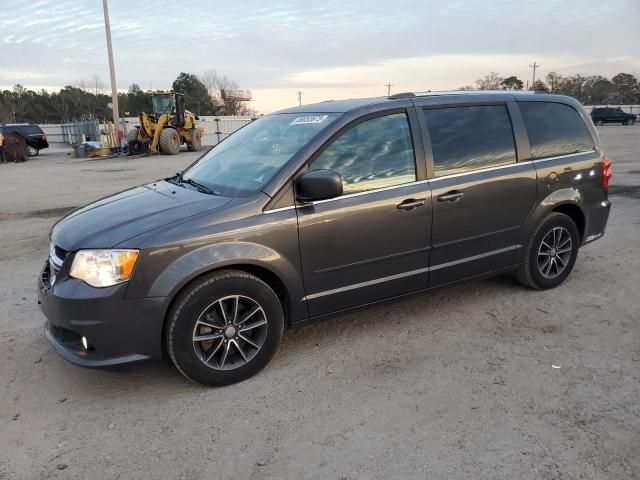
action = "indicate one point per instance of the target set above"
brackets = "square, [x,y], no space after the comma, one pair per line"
[328,49]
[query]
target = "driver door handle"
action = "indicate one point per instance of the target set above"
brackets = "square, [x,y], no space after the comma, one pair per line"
[452,196]
[411,203]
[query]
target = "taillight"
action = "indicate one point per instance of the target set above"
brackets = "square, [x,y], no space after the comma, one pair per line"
[606,172]
[44,137]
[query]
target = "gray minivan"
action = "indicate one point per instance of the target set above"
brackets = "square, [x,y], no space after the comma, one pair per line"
[319,209]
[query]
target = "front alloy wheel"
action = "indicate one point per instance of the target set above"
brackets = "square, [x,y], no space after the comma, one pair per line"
[224,327]
[230,332]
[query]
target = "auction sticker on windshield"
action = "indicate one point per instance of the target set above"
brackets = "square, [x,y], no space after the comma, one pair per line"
[309,119]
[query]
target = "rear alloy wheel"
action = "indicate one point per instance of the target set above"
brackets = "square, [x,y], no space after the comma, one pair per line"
[551,253]
[224,328]
[32,151]
[599,122]
[170,141]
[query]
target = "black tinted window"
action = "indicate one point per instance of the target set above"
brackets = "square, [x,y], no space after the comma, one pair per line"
[373,154]
[31,130]
[554,129]
[467,138]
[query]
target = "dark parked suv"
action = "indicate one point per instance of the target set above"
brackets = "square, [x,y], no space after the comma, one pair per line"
[320,209]
[600,116]
[33,135]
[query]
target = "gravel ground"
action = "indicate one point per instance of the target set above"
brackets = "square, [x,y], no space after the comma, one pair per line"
[456,384]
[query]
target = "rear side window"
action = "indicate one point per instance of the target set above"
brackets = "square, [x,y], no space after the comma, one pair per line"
[373,154]
[469,138]
[554,129]
[31,130]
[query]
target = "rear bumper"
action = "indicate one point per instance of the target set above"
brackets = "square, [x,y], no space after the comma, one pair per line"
[117,330]
[598,217]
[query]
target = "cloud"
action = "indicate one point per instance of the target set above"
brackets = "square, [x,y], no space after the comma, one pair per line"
[345,48]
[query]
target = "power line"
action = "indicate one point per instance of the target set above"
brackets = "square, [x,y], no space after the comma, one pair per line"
[388,85]
[533,80]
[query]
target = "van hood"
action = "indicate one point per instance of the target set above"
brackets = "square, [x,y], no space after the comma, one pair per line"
[117,218]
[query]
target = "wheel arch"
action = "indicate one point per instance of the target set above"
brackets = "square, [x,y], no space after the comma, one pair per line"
[567,201]
[267,275]
[575,212]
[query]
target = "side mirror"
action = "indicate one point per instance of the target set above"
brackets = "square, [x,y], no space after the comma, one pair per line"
[318,185]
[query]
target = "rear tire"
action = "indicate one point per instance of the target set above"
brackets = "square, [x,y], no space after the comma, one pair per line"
[599,123]
[196,144]
[224,328]
[551,253]
[169,141]
[32,151]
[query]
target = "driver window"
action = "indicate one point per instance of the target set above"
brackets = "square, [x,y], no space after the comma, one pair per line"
[373,154]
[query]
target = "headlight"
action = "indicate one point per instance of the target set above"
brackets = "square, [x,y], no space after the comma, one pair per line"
[103,268]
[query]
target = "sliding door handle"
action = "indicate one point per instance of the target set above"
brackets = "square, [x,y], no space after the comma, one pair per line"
[452,196]
[411,203]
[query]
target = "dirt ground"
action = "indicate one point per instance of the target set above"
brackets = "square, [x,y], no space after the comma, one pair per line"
[458,384]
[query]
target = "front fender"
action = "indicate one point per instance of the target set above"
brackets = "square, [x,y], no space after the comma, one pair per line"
[204,259]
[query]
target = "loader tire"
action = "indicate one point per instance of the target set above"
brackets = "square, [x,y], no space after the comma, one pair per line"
[196,144]
[132,134]
[136,147]
[170,141]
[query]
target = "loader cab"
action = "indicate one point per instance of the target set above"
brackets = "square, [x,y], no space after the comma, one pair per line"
[163,103]
[171,104]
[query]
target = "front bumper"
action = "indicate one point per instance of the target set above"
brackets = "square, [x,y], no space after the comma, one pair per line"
[117,330]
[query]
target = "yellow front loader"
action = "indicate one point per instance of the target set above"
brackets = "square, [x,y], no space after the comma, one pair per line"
[167,128]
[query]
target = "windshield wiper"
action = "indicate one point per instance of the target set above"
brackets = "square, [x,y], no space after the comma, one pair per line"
[199,186]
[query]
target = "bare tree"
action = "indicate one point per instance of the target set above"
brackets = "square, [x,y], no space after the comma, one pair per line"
[215,85]
[493,81]
[553,81]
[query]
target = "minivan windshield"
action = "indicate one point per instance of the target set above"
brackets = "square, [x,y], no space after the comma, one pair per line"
[242,164]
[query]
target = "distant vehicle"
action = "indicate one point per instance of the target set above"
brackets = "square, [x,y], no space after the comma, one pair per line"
[33,135]
[319,209]
[600,116]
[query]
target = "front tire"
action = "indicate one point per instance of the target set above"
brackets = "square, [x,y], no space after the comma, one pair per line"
[551,253]
[599,123]
[169,141]
[224,328]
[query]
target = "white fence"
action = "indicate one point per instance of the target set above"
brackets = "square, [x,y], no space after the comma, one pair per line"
[216,129]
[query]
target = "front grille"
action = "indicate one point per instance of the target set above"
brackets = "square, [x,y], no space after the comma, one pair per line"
[56,259]
[61,253]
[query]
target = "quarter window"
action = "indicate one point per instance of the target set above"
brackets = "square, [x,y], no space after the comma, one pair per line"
[469,138]
[373,154]
[554,129]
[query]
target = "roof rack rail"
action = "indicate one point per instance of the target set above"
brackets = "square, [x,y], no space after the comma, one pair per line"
[476,92]
[396,96]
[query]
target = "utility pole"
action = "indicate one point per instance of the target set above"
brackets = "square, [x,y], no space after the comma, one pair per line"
[388,85]
[533,80]
[300,98]
[112,70]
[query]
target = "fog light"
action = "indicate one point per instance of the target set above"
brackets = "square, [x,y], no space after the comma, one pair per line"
[85,344]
